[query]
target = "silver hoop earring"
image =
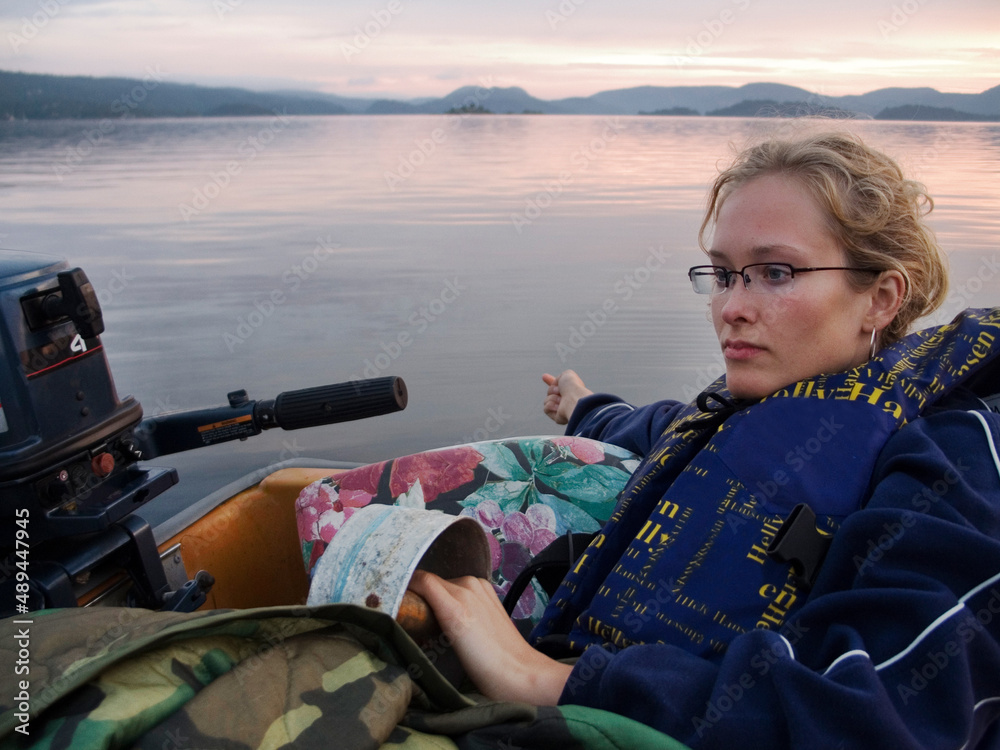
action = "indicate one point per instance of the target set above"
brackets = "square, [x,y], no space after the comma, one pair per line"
[871,349]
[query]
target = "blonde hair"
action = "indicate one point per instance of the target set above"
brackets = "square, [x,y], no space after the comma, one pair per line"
[875,212]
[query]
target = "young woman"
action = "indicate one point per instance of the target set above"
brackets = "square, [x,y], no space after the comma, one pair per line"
[684,612]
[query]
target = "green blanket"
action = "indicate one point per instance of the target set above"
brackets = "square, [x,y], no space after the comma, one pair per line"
[337,676]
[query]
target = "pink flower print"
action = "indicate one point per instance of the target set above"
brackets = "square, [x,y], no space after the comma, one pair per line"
[515,558]
[358,486]
[525,605]
[489,514]
[517,528]
[496,556]
[320,510]
[533,529]
[315,554]
[586,450]
[541,539]
[541,517]
[438,471]
[309,505]
[543,524]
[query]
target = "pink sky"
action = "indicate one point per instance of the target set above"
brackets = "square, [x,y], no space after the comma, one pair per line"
[553,49]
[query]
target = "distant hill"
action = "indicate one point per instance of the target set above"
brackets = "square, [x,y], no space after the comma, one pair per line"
[938,114]
[391,107]
[32,96]
[35,97]
[513,100]
[699,98]
[673,112]
[874,102]
[771,108]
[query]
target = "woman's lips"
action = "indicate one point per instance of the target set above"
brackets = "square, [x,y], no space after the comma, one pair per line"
[737,349]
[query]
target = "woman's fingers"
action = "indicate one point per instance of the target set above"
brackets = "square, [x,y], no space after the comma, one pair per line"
[550,406]
[494,654]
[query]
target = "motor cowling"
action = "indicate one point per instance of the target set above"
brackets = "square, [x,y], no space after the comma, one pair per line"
[67,453]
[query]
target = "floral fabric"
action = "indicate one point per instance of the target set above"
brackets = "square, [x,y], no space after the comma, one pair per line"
[524,492]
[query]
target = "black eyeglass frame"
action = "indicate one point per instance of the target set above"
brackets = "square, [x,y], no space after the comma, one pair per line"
[742,273]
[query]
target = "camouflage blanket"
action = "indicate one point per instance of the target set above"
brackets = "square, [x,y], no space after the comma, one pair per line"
[337,676]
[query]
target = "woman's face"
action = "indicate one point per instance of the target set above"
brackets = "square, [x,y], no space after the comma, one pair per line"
[771,340]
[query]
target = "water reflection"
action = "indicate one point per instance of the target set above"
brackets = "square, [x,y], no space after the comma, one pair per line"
[539,220]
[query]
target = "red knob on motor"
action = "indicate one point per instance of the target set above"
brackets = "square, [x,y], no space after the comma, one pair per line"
[103,464]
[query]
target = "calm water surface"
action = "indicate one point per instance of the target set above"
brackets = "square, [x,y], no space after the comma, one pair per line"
[466,254]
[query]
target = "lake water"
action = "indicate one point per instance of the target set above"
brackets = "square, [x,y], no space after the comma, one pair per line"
[465,254]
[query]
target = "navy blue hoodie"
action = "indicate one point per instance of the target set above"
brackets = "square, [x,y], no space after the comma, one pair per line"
[896,645]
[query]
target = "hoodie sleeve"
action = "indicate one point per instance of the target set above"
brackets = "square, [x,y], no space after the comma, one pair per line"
[609,419]
[898,644]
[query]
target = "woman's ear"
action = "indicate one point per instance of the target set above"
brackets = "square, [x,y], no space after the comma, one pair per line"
[886,298]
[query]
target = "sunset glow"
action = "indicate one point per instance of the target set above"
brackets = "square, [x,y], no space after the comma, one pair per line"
[554,49]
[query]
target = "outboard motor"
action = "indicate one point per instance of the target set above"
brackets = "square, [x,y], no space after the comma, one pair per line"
[70,447]
[67,455]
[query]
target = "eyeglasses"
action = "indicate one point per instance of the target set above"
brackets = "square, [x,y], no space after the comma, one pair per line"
[759,278]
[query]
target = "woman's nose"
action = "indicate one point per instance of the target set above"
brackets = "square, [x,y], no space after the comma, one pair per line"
[738,304]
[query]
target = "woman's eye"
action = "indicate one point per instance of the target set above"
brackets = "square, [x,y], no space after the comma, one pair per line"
[776,274]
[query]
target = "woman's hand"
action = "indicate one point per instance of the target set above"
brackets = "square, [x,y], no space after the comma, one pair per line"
[564,391]
[495,656]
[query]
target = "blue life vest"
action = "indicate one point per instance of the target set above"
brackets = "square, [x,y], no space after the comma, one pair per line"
[683,560]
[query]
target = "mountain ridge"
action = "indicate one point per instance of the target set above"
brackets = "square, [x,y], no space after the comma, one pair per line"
[40,96]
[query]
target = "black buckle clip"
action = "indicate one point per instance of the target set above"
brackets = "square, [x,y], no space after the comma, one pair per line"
[799,543]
